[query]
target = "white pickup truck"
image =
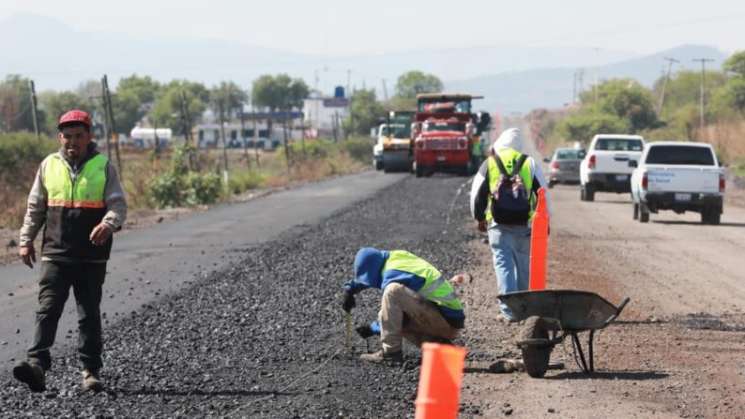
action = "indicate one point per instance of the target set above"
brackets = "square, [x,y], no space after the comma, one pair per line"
[678,176]
[605,167]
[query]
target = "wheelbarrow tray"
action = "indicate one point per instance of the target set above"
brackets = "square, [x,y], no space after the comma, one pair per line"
[574,310]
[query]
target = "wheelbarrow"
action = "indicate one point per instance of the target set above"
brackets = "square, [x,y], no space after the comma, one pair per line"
[551,316]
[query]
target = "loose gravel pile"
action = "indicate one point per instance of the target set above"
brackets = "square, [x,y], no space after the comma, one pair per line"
[265,338]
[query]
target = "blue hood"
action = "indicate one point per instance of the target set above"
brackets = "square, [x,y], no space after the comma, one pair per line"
[368,266]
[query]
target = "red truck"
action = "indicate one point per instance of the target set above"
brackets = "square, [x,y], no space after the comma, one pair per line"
[446,136]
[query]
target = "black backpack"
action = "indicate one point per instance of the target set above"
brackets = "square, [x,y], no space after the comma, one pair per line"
[510,202]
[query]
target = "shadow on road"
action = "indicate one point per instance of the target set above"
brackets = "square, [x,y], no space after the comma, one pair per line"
[610,375]
[676,222]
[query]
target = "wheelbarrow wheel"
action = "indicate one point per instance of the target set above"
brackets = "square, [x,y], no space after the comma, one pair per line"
[536,346]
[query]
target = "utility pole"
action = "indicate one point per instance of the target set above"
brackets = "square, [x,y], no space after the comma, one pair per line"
[595,87]
[34,111]
[670,62]
[385,91]
[349,80]
[224,143]
[109,110]
[702,121]
[244,140]
[256,132]
[106,126]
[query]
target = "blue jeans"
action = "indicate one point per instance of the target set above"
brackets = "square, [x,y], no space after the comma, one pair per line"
[510,246]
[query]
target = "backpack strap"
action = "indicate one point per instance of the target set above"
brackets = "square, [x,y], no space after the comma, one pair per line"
[519,165]
[500,166]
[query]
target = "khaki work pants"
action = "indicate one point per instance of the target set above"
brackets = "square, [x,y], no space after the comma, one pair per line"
[423,321]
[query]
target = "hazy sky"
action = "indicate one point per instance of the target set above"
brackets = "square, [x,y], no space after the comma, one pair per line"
[333,27]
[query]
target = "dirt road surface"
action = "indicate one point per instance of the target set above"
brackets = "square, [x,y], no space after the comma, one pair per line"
[252,328]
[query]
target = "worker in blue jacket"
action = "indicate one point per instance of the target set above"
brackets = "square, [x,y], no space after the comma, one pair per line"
[418,303]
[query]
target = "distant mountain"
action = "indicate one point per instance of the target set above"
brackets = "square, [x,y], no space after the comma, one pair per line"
[552,87]
[58,57]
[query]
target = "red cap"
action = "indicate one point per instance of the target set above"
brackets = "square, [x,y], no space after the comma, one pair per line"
[76,116]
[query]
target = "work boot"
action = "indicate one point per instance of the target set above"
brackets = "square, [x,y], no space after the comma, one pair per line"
[91,380]
[383,357]
[31,374]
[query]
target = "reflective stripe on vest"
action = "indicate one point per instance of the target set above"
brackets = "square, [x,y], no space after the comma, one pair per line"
[86,192]
[435,288]
[509,157]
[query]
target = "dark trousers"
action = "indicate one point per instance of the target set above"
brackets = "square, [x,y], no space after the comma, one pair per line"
[86,280]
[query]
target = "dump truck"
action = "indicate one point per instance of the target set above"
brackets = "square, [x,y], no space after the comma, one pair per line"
[446,135]
[392,151]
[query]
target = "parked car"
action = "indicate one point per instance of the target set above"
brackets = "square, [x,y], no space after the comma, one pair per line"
[606,168]
[564,166]
[678,176]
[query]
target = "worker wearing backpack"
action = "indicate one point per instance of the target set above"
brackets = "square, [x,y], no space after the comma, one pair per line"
[503,198]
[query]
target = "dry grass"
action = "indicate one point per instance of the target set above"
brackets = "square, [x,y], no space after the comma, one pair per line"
[729,139]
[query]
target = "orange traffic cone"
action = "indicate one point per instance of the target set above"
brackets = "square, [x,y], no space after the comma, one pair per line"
[539,244]
[439,381]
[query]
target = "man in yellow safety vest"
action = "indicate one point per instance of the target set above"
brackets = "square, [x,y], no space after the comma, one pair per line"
[79,201]
[418,303]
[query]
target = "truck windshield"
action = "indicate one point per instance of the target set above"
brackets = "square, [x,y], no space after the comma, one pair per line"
[396,130]
[463,106]
[680,154]
[618,144]
[445,126]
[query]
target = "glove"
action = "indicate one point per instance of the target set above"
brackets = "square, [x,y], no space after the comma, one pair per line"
[364,331]
[349,303]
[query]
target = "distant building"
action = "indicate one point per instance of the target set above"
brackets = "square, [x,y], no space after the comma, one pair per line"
[208,134]
[324,115]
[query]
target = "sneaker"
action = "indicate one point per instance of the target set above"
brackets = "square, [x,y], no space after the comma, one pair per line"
[91,381]
[382,357]
[30,374]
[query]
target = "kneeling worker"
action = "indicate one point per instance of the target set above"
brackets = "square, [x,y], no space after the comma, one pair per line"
[418,303]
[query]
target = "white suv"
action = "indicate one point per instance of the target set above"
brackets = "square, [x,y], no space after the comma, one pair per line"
[605,167]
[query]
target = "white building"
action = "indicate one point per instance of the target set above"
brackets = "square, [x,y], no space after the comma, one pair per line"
[324,115]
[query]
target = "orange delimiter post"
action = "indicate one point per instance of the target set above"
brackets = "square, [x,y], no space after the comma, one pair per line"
[438,396]
[539,244]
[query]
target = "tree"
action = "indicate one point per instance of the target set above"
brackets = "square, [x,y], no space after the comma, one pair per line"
[735,64]
[582,126]
[57,103]
[279,93]
[626,99]
[364,111]
[167,108]
[729,98]
[133,98]
[684,88]
[15,104]
[412,83]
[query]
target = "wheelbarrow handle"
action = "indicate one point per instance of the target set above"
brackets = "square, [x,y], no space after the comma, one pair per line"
[619,309]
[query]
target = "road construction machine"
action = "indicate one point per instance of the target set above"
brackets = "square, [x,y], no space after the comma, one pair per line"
[447,136]
[392,151]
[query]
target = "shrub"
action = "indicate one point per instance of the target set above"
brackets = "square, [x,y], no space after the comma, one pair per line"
[243,181]
[203,188]
[359,149]
[168,190]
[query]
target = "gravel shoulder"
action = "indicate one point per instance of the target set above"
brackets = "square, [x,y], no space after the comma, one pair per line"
[677,349]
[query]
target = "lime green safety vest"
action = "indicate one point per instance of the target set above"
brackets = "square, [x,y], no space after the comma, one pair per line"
[435,289]
[509,158]
[86,192]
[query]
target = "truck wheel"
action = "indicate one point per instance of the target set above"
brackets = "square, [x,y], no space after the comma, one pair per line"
[418,170]
[589,193]
[378,164]
[711,216]
[636,211]
[551,184]
[535,346]
[643,214]
[582,193]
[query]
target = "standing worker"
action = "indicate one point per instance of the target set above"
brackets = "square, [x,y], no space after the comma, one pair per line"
[503,200]
[418,303]
[78,196]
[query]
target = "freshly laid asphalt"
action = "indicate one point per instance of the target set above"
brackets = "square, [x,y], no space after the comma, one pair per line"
[234,312]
